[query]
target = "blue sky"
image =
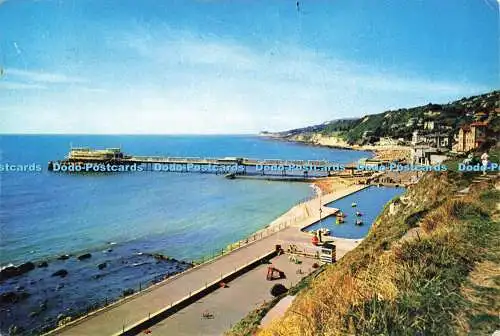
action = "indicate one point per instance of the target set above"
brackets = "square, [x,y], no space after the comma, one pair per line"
[241,66]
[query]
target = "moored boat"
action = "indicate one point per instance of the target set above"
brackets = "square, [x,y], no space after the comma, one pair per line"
[324,231]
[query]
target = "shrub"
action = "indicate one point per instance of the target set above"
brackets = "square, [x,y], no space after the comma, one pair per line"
[278,289]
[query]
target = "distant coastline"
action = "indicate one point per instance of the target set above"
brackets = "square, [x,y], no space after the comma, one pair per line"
[383,152]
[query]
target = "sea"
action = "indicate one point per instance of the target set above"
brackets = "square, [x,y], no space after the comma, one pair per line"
[124,219]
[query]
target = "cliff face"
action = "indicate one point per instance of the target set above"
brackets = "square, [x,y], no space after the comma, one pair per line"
[430,265]
[320,139]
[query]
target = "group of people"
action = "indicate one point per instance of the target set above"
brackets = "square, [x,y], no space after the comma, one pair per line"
[484,161]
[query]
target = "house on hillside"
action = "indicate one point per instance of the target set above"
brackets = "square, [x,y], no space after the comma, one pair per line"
[367,134]
[429,125]
[410,122]
[480,116]
[426,155]
[435,140]
[470,137]
[386,141]
[432,113]
[417,138]
[440,140]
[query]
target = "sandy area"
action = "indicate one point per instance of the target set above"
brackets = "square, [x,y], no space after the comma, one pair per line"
[381,152]
[333,184]
[392,153]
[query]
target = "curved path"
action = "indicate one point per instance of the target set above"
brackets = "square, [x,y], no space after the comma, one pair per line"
[114,319]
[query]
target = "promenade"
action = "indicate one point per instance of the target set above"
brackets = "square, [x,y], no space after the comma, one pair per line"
[229,305]
[120,316]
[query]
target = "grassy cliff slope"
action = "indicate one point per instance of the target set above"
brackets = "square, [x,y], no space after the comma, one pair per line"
[432,267]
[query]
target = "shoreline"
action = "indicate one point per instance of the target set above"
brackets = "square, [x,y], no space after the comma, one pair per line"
[384,152]
[298,217]
[293,217]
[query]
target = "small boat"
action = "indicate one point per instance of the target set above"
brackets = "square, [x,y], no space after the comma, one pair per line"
[354,204]
[341,214]
[359,222]
[340,220]
[358,214]
[324,231]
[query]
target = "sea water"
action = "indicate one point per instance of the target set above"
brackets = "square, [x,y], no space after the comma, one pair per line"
[43,214]
[123,218]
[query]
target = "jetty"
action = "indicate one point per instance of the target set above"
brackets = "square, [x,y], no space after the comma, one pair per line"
[110,159]
[134,314]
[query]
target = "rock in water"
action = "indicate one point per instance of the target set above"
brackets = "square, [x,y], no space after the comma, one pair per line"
[63,257]
[84,256]
[43,305]
[12,297]
[43,264]
[61,273]
[9,272]
[102,266]
[12,271]
[8,297]
[15,330]
[26,267]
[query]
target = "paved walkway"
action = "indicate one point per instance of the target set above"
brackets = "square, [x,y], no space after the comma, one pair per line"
[230,305]
[115,318]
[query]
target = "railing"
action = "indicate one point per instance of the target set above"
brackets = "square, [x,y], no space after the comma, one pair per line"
[259,235]
[101,304]
[244,161]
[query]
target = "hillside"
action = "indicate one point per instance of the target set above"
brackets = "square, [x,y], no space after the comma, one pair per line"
[399,123]
[431,266]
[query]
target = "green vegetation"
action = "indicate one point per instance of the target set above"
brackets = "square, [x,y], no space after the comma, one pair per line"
[444,280]
[402,122]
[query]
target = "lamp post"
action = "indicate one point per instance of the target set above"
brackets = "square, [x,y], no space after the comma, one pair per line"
[320,206]
[320,228]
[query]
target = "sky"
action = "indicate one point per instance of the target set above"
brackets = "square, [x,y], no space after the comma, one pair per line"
[240,66]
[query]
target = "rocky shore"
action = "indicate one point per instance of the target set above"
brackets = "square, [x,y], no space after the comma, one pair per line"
[37,296]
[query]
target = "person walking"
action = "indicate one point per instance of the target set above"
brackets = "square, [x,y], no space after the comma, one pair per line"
[484,161]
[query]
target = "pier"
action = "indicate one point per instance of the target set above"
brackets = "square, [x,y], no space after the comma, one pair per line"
[86,160]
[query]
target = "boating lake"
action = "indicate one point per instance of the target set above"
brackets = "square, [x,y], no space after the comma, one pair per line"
[369,202]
